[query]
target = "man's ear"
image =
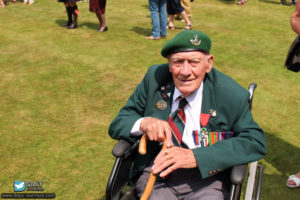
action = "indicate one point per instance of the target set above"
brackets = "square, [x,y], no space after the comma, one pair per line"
[210,61]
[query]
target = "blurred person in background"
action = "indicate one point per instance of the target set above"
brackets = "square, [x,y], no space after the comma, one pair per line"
[72,10]
[158,10]
[98,7]
[294,180]
[186,4]
[4,2]
[2,5]
[174,7]
[295,19]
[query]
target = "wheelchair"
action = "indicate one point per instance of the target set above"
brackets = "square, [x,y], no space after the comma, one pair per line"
[118,189]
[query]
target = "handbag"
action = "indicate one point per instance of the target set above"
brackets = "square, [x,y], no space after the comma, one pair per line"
[293,58]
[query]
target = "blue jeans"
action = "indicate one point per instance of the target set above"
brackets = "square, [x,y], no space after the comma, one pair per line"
[158,10]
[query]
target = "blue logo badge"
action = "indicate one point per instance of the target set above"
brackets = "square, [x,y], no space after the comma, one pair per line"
[19,186]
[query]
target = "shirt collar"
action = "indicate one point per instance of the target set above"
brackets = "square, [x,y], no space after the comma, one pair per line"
[192,99]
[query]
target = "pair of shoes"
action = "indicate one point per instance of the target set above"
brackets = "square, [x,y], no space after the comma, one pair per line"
[170,27]
[103,30]
[152,38]
[188,27]
[72,26]
[163,36]
[295,179]
[66,24]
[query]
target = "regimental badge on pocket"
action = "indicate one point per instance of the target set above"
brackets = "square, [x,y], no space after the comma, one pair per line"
[203,138]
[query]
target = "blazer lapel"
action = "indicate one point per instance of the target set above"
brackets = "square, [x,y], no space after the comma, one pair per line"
[208,102]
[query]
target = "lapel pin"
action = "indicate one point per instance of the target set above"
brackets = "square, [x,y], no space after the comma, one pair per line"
[213,112]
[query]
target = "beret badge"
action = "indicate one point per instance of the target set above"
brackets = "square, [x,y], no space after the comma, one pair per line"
[195,41]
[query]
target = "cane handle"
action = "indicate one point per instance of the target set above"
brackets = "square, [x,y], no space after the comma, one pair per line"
[143,145]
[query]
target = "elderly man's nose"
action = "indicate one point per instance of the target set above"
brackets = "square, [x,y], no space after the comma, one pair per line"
[186,69]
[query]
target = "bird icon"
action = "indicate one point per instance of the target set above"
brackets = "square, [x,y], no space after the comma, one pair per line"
[19,186]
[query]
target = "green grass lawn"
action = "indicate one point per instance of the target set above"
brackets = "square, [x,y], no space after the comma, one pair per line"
[60,89]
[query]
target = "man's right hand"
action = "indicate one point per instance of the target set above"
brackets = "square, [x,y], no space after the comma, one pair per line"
[157,130]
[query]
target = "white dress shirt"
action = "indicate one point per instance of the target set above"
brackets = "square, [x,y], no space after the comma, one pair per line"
[192,113]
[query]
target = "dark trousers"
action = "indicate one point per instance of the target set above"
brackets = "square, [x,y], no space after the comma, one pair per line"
[186,184]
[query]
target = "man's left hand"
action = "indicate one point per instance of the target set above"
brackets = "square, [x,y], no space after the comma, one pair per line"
[170,159]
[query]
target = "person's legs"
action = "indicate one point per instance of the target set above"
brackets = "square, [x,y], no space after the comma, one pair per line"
[74,12]
[159,191]
[215,190]
[186,4]
[186,184]
[188,24]
[69,13]
[211,194]
[101,18]
[171,22]
[163,17]
[154,8]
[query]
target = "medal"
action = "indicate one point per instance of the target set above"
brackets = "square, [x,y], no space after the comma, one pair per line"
[161,105]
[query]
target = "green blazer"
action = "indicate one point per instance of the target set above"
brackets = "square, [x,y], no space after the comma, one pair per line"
[220,93]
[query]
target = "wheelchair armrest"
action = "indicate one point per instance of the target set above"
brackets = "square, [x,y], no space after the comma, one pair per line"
[119,176]
[123,148]
[238,174]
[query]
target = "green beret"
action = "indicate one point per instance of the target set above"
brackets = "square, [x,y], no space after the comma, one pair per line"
[187,40]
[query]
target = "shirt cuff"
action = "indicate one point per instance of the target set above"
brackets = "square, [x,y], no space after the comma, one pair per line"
[135,131]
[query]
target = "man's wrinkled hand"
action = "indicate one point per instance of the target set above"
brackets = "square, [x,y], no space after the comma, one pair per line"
[173,158]
[157,130]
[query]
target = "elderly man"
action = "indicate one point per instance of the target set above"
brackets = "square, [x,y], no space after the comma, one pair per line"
[203,115]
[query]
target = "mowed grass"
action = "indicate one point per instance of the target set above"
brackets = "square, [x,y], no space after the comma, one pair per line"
[60,89]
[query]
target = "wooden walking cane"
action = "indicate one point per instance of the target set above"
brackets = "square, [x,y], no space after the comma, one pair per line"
[152,177]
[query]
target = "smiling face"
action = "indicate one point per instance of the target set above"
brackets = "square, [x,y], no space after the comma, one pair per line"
[188,70]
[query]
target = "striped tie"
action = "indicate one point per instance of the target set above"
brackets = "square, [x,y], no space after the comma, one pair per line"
[177,122]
